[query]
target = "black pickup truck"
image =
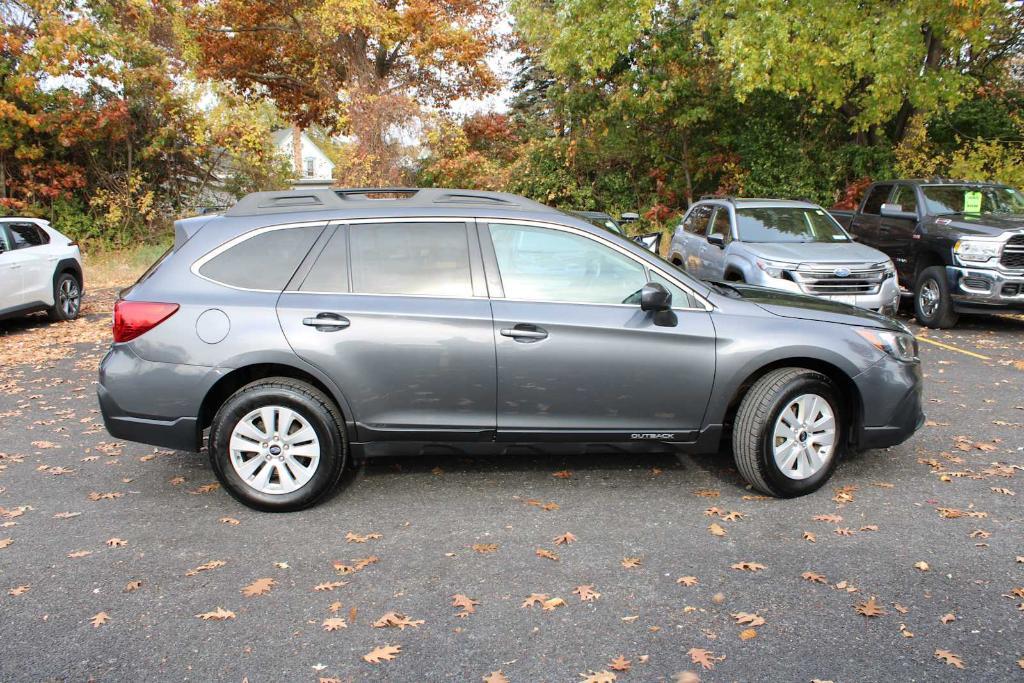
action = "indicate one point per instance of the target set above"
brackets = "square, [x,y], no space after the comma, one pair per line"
[958,246]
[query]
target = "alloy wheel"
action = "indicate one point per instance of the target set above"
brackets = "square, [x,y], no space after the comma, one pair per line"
[803,440]
[69,297]
[274,450]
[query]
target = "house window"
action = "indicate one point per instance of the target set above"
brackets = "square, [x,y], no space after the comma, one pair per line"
[310,172]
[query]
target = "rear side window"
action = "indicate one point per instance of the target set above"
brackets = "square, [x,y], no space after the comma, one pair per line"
[697,222]
[27,235]
[878,196]
[330,272]
[265,261]
[425,259]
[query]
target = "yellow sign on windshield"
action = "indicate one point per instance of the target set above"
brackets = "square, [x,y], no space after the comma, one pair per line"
[972,202]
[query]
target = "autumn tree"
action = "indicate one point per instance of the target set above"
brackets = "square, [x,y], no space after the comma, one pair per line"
[361,67]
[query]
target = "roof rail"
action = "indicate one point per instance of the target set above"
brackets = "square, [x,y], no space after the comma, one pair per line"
[289,201]
[720,197]
[365,192]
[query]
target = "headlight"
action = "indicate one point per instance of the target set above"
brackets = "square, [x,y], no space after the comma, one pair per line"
[899,345]
[888,269]
[775,268]
[976,251]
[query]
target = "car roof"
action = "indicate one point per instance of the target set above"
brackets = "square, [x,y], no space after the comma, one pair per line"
[760,202]
[941,181]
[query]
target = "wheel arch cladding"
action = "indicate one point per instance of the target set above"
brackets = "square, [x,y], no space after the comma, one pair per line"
[845,386]
[227,385]
[68,265]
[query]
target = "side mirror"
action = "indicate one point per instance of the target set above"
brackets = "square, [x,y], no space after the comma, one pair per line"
[896,211]
[717,239]
[654,297]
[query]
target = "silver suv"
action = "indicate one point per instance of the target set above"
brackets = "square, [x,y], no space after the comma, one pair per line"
[794,246]
[305,329]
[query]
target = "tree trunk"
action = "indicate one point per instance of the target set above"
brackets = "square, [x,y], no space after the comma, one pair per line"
[686,169]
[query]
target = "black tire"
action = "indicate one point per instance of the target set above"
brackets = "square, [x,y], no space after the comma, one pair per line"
[315,407]
[755,420]
[59,312]
[943,316]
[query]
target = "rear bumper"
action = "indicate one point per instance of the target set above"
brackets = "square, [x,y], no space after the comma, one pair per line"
[892,408]
[985,288]
[151,402]
[181,434]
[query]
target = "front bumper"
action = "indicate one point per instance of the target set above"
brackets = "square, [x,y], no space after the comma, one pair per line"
[985,287]
[892,410]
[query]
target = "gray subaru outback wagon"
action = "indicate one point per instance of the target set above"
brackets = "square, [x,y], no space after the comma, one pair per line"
[304,329]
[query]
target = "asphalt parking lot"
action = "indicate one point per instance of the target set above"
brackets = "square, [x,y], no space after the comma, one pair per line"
[909,566]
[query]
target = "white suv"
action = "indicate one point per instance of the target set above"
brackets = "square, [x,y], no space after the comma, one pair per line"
[40,270]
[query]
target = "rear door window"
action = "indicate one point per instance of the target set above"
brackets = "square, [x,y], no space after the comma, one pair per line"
[697,222]
[879,195]
[26,235]
[265,261]
[413,258]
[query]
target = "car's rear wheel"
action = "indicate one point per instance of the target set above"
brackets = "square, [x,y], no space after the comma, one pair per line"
[67,298]
[933,306]
[278,445]
[789,432]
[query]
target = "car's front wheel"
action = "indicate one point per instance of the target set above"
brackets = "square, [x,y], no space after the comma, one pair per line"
[278,445]
[67,298]
[933,306]
[789,432]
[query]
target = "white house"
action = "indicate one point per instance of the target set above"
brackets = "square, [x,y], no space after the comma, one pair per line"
[310,164]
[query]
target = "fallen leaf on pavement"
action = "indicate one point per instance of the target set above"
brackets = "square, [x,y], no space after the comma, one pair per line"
[334,624]
[870,608]
[258,587]
[219,614]
[564,539]
[382,653]
[706,658]
[949,658]
[586,593]
[748,566]
[598,677]
[687,581]
[620,663]
[466,604]
[396,620]
[100,619]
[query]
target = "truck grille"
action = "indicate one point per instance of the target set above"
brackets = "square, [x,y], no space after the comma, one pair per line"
[821,279]
[1013,253]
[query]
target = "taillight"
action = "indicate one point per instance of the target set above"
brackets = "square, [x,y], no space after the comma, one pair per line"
[134,318]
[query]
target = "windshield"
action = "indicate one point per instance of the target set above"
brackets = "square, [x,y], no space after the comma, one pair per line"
[948,199]
[788,225]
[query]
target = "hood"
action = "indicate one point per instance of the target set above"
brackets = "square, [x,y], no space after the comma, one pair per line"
[816,252]
[803,307]
[988,225]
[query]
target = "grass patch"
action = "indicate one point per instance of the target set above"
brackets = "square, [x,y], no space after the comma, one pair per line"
[119,268]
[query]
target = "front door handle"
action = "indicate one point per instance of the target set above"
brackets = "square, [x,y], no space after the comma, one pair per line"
[327,322]
[525,333]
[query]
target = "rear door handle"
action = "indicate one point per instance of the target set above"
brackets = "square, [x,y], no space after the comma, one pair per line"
[327,322]
[525,333]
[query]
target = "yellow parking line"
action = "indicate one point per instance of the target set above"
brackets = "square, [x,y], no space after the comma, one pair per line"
[952,348]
